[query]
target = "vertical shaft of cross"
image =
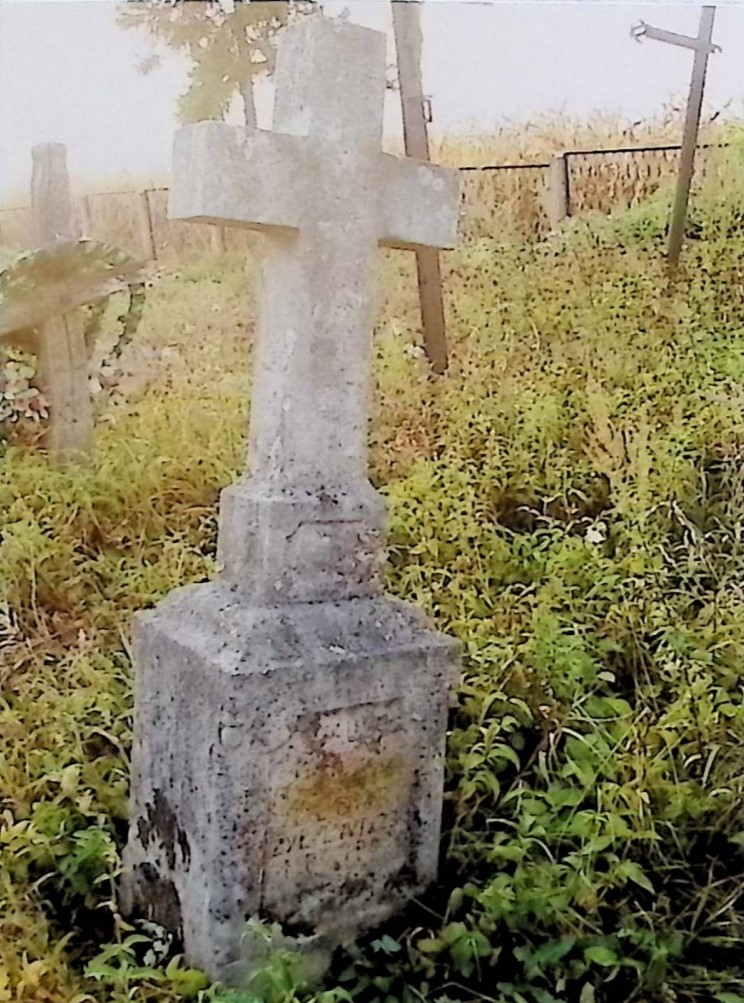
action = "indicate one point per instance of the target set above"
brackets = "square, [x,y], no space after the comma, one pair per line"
[689,141]
[63,356]
[313,366]
[63,372]
[313,358]
[51,201]
[309,487]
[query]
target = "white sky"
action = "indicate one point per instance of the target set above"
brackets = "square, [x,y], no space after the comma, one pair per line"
[68,74]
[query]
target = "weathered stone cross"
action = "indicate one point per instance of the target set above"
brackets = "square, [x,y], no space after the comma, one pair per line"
[290,720]
[326,196]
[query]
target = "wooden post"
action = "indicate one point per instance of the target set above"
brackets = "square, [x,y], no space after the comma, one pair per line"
[53,218]
[63,355]
[559,206]
[409,45]
[85,218]
[147,240]
[690,138]
[217,239]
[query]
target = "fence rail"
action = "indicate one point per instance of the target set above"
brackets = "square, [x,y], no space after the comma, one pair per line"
[524,198]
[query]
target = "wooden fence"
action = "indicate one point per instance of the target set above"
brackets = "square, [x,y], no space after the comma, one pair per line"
[509,199]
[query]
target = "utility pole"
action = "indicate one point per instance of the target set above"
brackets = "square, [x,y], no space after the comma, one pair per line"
[416,116]
[702,47]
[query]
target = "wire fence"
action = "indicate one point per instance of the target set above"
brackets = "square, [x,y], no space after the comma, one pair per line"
[519,196]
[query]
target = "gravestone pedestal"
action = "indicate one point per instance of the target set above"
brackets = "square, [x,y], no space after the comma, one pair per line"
[289,766]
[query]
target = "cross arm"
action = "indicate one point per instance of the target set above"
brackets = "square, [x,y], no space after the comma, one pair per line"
[644,30]
[420,203]
[56,280]
[231,176]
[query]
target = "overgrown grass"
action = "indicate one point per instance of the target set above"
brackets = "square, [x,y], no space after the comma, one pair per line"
[567,501]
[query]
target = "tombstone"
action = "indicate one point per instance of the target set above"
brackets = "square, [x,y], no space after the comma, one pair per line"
[290,718]
[40,293]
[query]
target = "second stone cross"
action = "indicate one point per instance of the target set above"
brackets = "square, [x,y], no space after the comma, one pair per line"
[290,718]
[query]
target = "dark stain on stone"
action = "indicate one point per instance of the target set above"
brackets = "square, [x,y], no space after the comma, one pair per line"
[161,821]
[406,877]
[161,896]
[355,888]
[291,927]
[183,842]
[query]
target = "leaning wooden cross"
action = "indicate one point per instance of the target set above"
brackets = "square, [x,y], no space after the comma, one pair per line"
[702,45]
[40,293]
[290,717]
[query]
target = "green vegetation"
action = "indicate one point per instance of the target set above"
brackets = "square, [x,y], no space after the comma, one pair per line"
[568,501]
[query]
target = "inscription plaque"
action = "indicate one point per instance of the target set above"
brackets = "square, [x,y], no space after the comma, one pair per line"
[338,817]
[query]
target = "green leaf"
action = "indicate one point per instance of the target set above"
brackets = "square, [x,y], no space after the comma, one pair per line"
[511,992]
[431,945]
[587,993]
[506,752]
[600,955]
[456,899]
[454,932]
[547,955]
[388,945]
[635,873]
[187,982]
[542,996]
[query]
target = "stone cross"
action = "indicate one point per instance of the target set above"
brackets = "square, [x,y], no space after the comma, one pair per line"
[326,196]
[290,718]
[40,293]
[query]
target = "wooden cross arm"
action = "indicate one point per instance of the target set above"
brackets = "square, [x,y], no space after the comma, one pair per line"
[231,176]
[23,315]
[58,280]
[644,30]
[420,203]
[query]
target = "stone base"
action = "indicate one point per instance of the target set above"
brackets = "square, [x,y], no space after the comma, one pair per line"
[288,765]
[301,546]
